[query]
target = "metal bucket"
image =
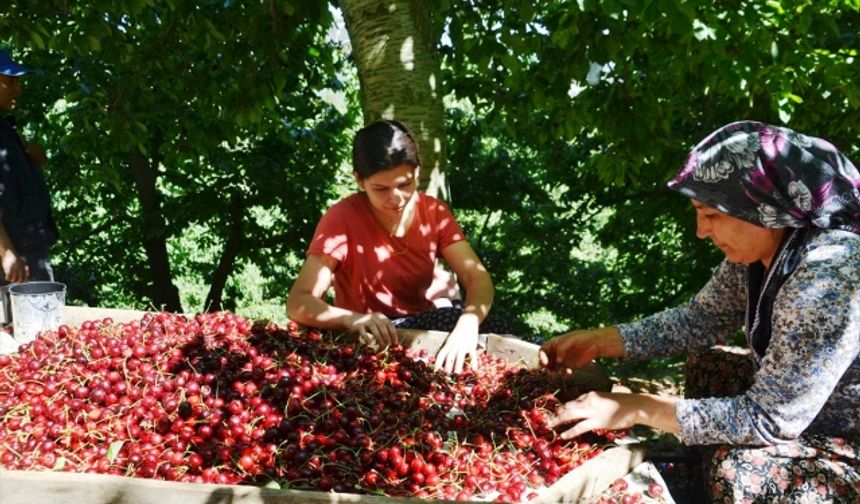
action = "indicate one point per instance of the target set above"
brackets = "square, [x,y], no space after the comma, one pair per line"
[5,305]
[36,307]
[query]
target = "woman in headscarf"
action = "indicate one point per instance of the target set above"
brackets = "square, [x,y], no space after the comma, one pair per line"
[783,418]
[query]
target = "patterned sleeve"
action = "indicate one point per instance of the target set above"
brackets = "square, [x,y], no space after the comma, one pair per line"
[814,341]
[710,318]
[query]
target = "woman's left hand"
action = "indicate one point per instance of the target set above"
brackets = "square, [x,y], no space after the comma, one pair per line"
[460,344]
[613,411]
[598,410]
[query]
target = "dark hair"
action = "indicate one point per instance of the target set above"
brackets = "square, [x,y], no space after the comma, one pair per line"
[383,145]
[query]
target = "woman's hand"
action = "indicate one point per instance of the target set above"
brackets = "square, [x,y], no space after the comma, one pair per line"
[577,349]
[461,343]
[463,340]
[374,327]
[604,410]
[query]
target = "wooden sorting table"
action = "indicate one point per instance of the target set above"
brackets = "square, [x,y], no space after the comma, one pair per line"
[44,487]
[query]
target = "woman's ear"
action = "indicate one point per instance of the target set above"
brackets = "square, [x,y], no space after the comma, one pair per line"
[358,181]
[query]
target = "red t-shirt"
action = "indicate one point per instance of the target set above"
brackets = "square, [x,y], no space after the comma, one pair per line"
[377,272]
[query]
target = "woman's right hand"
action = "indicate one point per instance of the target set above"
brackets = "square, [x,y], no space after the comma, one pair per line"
[374,327]
[15,267]
[577,349]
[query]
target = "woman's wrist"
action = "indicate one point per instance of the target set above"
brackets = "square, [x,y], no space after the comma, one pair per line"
[349,320]
[469,321]
[607,342]
[658,412]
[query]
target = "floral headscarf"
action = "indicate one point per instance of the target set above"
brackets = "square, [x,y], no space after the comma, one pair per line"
[773,177]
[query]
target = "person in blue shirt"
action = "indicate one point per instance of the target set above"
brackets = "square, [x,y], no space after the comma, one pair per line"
[27,228]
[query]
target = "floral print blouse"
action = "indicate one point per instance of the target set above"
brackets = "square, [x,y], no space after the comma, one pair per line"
[808,380]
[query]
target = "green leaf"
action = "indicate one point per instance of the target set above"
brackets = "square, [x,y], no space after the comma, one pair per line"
[652,12]
[804,21]
[610,6]
[679,21]
[702,31]
[793,97]
[587,5]
[213,31]
[559,38]
[512,64]
[113,450]
[776,5]
[853,99]
[37,40]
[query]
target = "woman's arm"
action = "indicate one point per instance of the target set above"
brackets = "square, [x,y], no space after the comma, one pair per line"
[577,349]
[713,314]
[474,277]
[305,304]
[710,318]
[463,340]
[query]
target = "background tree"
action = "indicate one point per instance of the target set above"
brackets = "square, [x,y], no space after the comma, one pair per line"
[394,47]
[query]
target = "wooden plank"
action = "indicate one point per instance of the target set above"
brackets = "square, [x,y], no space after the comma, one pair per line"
[76,315]
[513,349]
[45,487]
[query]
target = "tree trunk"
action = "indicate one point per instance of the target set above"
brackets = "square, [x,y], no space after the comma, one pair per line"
[165,294]
[394,46]
[214,301]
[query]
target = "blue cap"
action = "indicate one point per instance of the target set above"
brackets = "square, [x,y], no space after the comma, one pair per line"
[9,67]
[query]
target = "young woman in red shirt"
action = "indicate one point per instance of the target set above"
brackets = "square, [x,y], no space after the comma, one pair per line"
[379,249]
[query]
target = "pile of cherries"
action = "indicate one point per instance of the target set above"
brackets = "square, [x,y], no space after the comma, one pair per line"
[216,399]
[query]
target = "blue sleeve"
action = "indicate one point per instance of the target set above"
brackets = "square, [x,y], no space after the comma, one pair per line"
[815,339]
[710,318]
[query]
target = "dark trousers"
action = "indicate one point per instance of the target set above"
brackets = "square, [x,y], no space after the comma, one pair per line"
[444,319]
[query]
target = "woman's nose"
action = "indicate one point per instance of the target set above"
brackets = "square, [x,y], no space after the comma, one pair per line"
[702,229]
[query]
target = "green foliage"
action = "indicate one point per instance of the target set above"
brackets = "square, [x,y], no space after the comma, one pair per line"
[570,116]
[222,100]
[565,120]
[549,230]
